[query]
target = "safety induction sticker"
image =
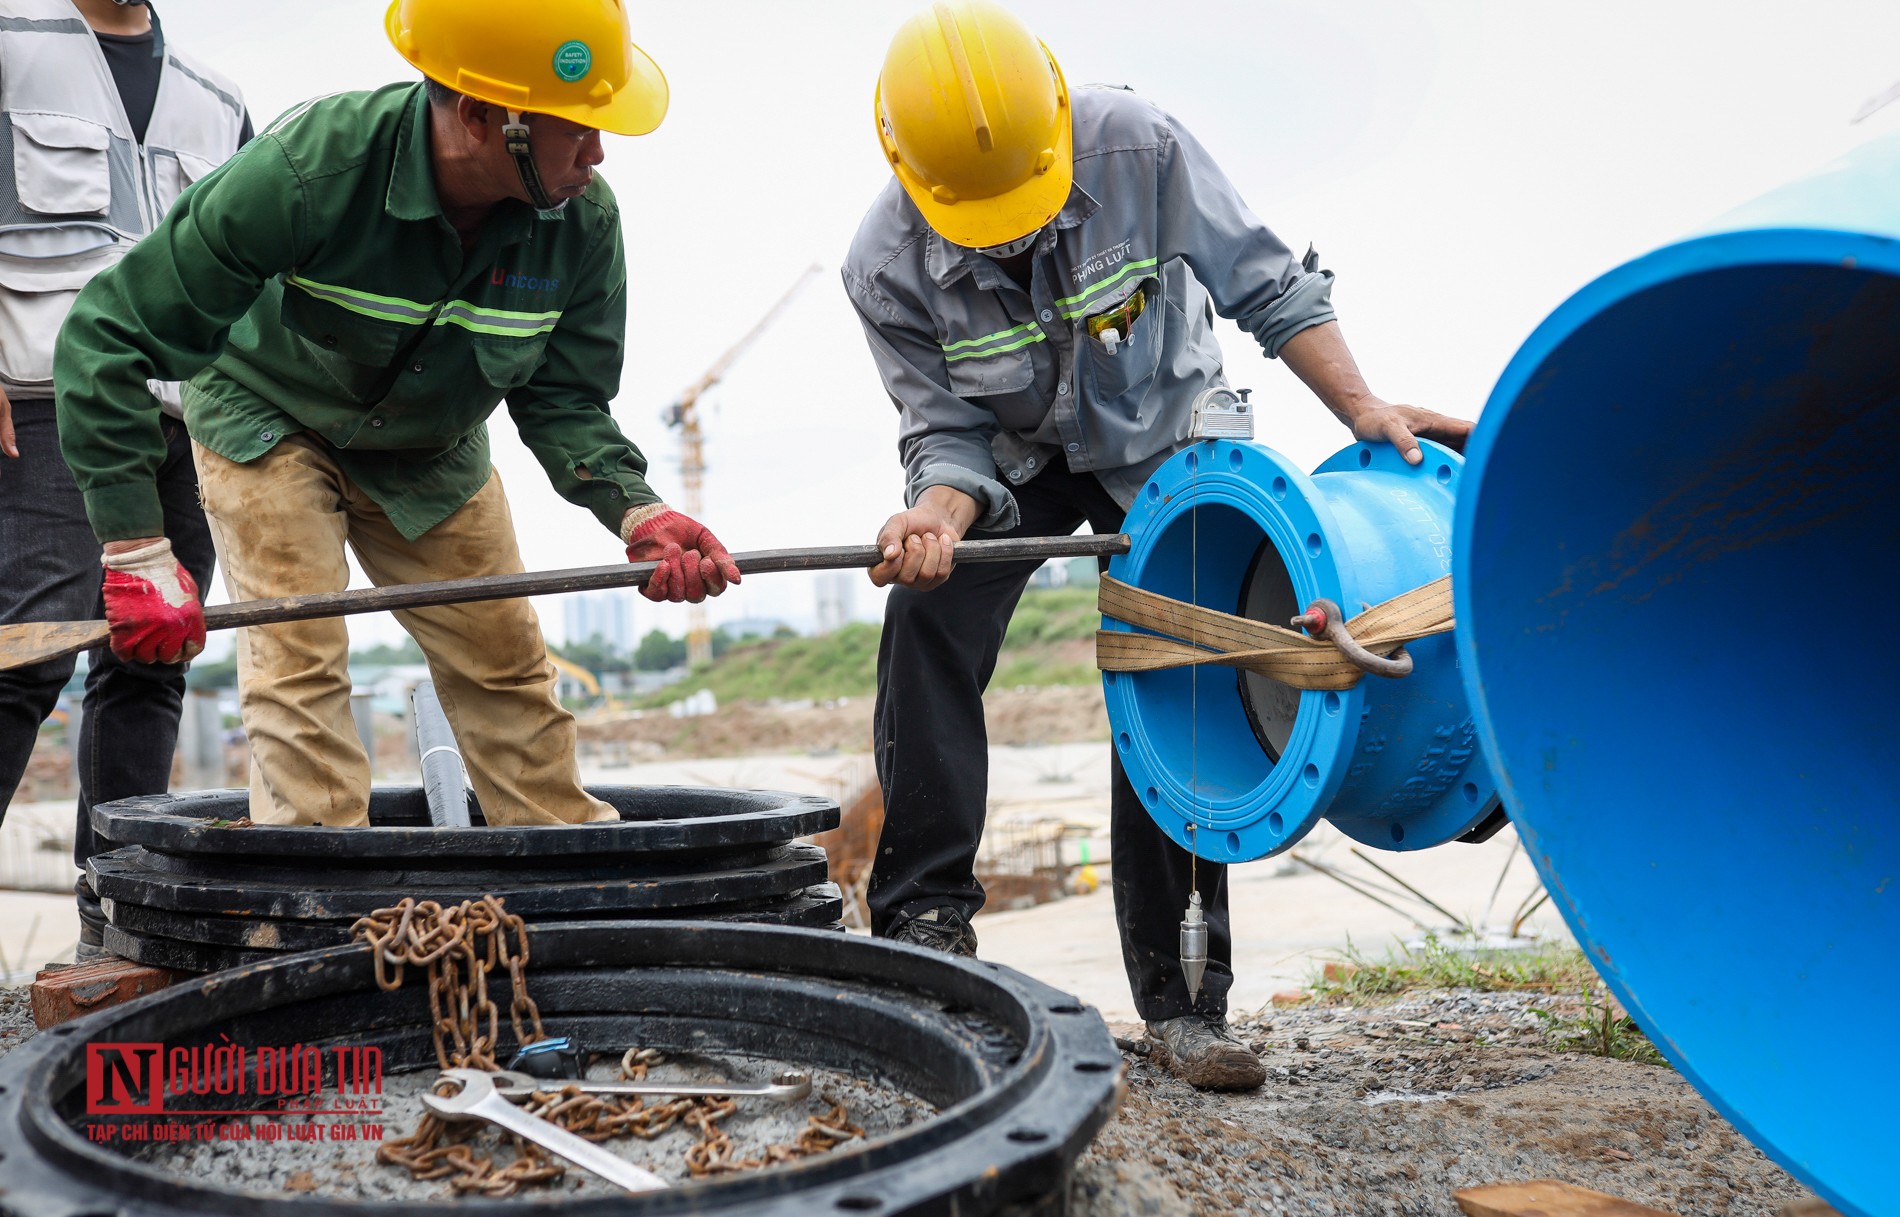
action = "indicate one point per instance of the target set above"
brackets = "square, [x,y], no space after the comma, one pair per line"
[572,60]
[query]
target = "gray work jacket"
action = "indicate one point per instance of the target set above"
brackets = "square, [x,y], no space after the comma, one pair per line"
[992,383]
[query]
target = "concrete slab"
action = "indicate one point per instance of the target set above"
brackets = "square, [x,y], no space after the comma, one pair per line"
[35,929]
[1286,919]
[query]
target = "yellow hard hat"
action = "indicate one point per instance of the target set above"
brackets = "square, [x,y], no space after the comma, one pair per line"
[574,59]
[974,117]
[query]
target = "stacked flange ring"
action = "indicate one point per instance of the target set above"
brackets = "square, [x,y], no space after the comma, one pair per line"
[1236,766]
[195,887]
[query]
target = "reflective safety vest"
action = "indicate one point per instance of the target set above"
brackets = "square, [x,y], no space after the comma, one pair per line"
[76,187]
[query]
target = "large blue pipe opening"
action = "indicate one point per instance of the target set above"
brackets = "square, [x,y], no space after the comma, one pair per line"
[1674,567]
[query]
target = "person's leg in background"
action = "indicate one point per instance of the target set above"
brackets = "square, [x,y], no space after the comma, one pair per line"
[129,733]
[49,571]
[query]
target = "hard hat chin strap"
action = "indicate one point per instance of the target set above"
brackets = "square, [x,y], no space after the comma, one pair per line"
[514,134]
[1010,249]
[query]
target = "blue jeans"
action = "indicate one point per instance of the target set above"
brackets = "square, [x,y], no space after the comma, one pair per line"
[49,571]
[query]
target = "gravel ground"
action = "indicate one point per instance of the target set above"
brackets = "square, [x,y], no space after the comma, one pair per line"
[1371,1111]
[1388,1110]
[16,1017]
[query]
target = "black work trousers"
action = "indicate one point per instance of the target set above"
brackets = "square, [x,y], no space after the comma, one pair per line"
[935,659]
[49,571]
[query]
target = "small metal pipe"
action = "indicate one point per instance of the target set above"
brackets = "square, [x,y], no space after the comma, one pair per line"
[444,777]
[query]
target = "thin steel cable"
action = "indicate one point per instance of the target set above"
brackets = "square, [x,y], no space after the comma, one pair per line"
[1194,684]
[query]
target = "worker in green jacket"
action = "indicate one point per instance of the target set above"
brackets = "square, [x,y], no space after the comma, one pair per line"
[348,300]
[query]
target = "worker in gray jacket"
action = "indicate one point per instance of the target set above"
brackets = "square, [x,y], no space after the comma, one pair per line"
[1038,286]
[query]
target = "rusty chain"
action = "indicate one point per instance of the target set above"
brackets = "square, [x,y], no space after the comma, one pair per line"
[459,946]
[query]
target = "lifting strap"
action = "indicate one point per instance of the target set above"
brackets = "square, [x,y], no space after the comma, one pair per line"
[1285,655]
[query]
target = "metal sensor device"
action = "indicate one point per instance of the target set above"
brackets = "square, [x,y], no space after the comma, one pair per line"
[1222,413]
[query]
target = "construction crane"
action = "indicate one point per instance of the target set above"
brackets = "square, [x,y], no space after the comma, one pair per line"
[683,414]
[582,676]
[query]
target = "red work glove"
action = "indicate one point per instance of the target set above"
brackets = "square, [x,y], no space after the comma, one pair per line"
[152,606]
[693,564]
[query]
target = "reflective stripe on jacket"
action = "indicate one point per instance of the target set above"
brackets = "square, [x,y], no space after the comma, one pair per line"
[991,382]
[76,187]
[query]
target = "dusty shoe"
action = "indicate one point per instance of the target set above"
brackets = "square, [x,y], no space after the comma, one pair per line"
[941,929]
[1206,1055]
[92,943]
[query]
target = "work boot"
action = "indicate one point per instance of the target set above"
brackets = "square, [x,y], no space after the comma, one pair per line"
[943,929]
[92,944]
[92,924]
[1204,1053]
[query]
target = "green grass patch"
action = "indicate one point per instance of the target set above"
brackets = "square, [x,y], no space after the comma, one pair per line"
[842,663]
[1045,645]
[1600,1031]
[1052,615]
[1433,965]
[1557,971]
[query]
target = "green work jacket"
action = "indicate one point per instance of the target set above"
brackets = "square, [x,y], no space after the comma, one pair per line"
[311,284]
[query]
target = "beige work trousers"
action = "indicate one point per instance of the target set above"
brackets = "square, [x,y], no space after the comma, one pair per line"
[280,524]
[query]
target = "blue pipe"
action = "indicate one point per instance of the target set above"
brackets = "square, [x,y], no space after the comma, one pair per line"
[1238,767]
[1674,574]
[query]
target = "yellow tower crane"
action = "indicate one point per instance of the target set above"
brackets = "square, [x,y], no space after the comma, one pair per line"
[684,415]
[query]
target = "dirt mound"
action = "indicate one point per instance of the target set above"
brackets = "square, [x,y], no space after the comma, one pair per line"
[1054,715]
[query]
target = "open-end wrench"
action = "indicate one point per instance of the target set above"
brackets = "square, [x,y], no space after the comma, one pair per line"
[783,1088]
[478,1100]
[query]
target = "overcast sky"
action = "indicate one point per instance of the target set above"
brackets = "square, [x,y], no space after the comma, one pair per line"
[1463,166]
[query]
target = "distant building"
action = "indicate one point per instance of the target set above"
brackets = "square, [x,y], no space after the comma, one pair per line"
[837,596]
[1066,572]
[604,615]
[642,683]
[753,627]
[1084,572]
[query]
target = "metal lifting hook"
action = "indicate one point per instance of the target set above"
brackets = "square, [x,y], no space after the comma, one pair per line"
[1322,619]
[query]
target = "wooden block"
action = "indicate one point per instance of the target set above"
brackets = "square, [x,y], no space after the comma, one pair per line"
[1547,1198]
[1813,1206]
[61,994]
